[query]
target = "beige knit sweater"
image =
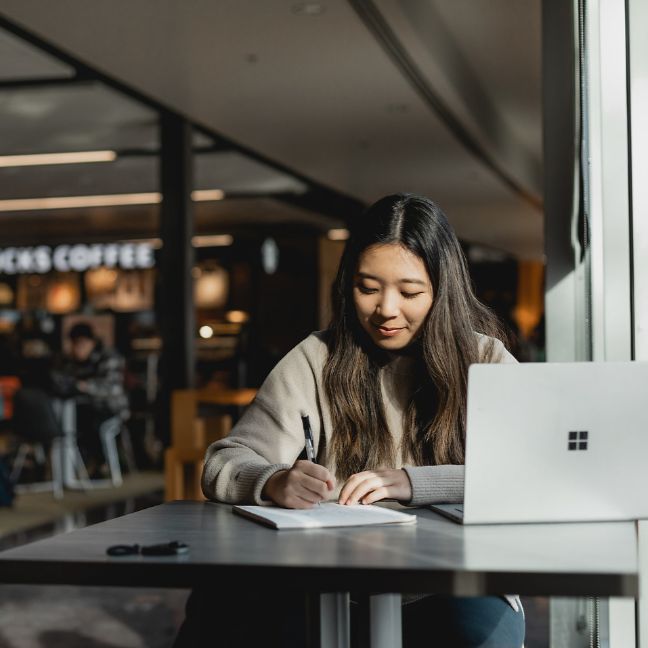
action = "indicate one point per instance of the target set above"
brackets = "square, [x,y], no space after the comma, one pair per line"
[269,436]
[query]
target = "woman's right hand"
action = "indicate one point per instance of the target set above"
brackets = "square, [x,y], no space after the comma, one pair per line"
[302,487]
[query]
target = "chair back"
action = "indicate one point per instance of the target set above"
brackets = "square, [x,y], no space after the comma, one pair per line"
[9,385]
[34,419]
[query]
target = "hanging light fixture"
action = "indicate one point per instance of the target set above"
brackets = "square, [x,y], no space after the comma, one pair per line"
[211,287]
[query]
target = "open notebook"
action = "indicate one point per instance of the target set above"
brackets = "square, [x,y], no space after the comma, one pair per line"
[326,515]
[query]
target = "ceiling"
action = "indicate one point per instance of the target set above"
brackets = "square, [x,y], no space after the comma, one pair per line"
[362,97]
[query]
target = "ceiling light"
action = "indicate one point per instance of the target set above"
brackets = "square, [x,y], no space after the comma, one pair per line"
[155,243]
[216,240]
[110,200]
[71,202]
[56,158]
[207,194]
[338,234]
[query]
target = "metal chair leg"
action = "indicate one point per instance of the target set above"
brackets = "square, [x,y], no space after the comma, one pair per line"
[56,455]
[108,432]
[129,453]
[39,454]
[76,461]
[19,462]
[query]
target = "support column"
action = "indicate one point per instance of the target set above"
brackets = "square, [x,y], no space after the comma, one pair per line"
[564,271]
[609,217]
[588,227]
[565,299]
[177,316]
[637,20]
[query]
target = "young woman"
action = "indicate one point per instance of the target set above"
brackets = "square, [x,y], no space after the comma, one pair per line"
[385,390]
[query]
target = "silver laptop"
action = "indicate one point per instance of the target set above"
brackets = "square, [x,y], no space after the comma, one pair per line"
[555,442]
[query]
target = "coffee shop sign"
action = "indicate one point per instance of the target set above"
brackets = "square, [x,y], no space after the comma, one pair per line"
[66,258]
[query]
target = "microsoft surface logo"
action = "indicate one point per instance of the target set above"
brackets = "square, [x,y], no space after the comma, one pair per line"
[577,440]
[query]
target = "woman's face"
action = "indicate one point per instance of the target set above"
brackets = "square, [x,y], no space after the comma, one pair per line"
[392,293]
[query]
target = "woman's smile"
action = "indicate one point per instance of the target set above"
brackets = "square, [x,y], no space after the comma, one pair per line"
[384,330]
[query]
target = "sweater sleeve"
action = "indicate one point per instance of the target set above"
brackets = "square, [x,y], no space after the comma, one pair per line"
[445,484]
[269,436]
[435,484]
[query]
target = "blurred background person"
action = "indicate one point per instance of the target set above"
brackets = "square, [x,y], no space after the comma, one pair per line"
[93,375]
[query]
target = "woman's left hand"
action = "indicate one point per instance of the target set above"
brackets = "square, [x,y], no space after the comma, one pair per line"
[372,485]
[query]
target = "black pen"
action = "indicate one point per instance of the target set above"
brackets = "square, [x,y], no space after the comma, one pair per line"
[308,436]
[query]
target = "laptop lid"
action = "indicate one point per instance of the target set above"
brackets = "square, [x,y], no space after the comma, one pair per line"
[556,442]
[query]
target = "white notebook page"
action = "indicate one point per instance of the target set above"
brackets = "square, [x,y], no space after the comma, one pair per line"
[327,514]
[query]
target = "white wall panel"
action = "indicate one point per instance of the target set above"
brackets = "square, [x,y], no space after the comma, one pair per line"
[608,173]
[638,14]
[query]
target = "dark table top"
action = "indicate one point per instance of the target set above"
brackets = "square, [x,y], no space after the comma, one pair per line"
[435,555]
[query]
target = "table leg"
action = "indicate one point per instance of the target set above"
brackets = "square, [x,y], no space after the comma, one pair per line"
[329,621]
[618,622]
[379,621]
[642,602]
[386,621]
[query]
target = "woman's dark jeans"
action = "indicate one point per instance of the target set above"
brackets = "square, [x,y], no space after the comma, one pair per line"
[278,620]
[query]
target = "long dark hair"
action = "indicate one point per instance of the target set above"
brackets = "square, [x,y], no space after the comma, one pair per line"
[435,420]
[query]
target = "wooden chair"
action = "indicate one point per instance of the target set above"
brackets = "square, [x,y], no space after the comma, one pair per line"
[198,418]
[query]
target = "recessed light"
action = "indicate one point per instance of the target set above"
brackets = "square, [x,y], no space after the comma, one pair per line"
[155,243]
[72,202]
[40,159]
[338,234]
[214,240]
[309,9]
[207,194]
[112,200]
